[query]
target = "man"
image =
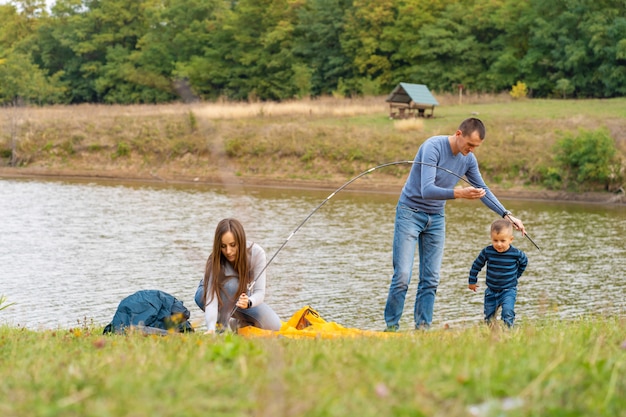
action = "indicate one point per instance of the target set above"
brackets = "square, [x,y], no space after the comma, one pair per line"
[420,217]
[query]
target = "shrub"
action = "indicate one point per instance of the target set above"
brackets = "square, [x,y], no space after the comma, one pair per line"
[235,147]
[193,121]
[589,160]
[519,90]
[564,87]
[123,149]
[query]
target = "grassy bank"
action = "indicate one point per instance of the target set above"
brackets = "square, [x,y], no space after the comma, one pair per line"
[542,368]
[327,140]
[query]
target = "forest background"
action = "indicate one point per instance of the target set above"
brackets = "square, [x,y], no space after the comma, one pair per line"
[158,51]
[328,63]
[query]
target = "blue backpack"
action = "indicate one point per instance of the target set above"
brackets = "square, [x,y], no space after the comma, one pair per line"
[152,312]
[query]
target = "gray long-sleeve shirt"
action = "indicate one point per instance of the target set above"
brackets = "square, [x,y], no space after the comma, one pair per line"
[427,188]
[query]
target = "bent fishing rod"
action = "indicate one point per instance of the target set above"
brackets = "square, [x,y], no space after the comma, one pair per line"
[331,195]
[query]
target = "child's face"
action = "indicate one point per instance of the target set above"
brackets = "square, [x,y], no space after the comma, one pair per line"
[501,241]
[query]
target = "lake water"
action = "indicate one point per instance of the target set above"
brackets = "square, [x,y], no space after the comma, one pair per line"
[71,251]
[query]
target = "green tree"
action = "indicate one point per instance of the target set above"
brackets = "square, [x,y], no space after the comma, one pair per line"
[578,40]
[605,27]
[503,27]
[177,33]
[19,22]
[319,27]
[98,38]
[120,25]
[564,87]
[250,55]
[21,78]
[449,51]
[400,40]
[118,51]
[362,41]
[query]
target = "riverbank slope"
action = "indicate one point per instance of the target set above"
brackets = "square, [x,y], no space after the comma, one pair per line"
[311,143]
[384,185]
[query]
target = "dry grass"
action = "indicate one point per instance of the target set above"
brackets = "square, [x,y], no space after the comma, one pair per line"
[326,139]
[325,106]
[408,125]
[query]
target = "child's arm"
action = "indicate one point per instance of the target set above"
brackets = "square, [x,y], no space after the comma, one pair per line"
[477,266]
[522,264]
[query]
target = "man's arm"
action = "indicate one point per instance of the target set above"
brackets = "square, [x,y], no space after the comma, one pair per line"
[489,199]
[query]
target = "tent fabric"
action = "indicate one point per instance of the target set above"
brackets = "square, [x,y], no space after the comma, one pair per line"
[153,311]
[307,323]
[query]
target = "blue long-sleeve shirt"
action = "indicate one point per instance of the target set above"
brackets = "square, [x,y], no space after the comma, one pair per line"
[427,188]
[503,268]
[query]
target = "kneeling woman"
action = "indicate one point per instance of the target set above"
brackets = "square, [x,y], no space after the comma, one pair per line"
[230,270]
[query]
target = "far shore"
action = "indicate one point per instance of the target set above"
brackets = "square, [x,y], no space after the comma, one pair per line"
[308,144]
[370,184]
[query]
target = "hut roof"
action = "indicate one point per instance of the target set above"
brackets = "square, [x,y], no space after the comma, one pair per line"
[416,93]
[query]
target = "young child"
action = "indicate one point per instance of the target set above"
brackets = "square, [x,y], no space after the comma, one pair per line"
[505,264]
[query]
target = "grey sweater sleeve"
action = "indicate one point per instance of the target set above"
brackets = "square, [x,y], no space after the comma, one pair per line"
[257,264]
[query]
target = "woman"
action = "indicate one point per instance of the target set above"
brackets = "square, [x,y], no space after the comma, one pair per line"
[232,271]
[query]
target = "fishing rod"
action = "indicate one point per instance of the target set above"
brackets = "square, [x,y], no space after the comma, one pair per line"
[331,195]
[486,195]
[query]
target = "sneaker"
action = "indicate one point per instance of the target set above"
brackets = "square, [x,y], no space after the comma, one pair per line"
[233,324]
[392,329]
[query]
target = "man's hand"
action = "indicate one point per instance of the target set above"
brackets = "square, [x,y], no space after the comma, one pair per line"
[469,193]
[517,223]
[472,287]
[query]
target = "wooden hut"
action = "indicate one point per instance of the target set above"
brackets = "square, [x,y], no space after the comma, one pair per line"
[411,100]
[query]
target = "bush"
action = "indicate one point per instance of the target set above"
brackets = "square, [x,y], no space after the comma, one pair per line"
[519,90]
[589,160]
[564,87]
[123,149]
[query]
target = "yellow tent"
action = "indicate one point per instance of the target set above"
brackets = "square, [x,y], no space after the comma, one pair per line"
[307,323]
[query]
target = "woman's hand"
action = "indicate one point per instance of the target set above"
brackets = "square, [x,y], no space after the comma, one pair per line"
[243,301]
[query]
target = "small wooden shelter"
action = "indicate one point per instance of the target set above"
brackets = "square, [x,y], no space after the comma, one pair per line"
[411,100]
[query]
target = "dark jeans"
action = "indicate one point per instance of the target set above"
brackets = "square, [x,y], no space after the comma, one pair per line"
[506,299]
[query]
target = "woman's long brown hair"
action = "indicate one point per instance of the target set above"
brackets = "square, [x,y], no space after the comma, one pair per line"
[216,261]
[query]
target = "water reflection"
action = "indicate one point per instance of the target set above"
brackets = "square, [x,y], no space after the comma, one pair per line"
[71,251]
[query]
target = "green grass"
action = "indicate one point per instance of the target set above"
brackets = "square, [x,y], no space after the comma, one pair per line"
[543,368]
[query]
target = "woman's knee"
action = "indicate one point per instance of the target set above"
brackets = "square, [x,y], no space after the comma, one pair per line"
[261,316]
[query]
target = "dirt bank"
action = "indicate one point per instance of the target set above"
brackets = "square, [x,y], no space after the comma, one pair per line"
[381,184]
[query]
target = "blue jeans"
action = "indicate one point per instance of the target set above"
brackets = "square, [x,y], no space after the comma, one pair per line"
[506,299]
[427,232]
[261,316]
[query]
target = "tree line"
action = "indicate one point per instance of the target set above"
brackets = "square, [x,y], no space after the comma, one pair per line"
[156,51]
